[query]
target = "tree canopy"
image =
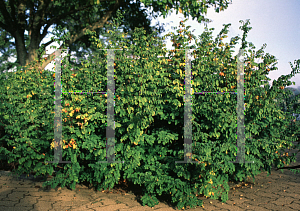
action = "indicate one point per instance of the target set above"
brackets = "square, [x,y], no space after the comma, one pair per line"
[78,16]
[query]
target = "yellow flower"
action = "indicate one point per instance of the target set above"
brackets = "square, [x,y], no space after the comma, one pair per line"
[52,145]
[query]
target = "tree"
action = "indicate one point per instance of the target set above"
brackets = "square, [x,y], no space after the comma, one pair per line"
[18,16]
[7,51]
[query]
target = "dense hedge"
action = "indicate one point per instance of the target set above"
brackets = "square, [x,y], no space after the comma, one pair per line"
[149,123]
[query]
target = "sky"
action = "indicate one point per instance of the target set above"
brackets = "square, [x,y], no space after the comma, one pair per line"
[274,22]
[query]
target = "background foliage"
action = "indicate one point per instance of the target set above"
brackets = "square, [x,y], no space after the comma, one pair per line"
[36,17]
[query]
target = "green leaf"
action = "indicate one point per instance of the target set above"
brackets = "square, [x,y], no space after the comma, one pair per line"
[28,163]
[117,124]
[130,127]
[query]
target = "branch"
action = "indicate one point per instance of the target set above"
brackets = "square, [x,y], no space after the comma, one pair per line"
[96,25]
[40,15]
[47,43]
[289,167]
[21,24]
[51,21]
[31,14]
[6,28]
[82,33]
[6,15]
[13,12]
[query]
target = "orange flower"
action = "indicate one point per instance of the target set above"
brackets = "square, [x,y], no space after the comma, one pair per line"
[221,74]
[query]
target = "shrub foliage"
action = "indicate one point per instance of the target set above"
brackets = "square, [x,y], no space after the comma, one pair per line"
[149,107]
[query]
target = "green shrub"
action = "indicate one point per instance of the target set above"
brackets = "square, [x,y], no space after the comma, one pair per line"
[149,123]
